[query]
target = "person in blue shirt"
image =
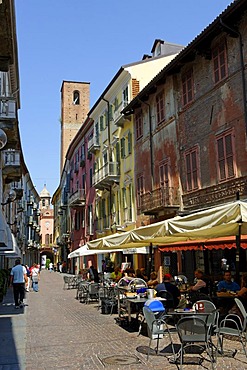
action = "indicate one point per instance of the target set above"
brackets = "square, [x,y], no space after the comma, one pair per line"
[227,284]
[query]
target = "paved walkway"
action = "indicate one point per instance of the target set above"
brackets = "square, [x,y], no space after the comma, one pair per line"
[55,331]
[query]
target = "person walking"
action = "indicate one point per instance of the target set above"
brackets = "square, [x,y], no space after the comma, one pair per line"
[35,277]
[18,279]
[28,278]
[50,266]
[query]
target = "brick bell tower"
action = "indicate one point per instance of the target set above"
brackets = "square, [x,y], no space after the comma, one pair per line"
[75,103]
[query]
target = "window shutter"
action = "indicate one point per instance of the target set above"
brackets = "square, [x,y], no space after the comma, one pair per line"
[129,143]
[123,147]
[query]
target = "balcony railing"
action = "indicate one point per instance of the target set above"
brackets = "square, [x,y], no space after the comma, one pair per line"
[156,200]
[118,117]
[11,165]
[106,175]
[77,198]
[7,108]
[93,145]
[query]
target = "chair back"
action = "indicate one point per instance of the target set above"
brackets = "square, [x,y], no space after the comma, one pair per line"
[93,289]
[242,311]
[209,307]
[153,325]
[192,329]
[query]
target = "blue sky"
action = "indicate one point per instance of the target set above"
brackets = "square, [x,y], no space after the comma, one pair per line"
[87,40]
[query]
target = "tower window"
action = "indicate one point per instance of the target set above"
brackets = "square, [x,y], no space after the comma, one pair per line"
[76,97]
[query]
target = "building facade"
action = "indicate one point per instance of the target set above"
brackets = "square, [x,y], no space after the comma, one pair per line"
[193,149]
[19,231]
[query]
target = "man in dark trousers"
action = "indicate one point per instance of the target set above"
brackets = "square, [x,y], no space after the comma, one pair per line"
[18,278]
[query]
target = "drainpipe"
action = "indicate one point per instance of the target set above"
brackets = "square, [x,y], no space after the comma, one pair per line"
[234,33]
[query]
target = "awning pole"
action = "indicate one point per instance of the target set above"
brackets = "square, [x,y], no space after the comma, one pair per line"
[238,243]
[150,259]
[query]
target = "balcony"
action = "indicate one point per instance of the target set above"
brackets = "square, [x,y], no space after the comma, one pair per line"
[106,175]
[118,117]
[159,199]
[77,199]
[7,108]
[93,145]
[11,165]
[18,188]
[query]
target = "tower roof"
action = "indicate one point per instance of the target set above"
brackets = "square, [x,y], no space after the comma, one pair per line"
[44,193]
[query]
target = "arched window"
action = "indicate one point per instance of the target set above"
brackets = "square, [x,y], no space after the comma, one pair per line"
[76,97]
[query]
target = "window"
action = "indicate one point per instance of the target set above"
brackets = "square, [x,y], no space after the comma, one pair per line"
[225,156]
[77,220]
[117,152]
[160,108]
[91,177]
[124,198]
[125,96]
[76,98]
[101,120]
[83,152]
[129,142]
[219,62]
[83,184]
[139,125]
[123,147]
[164,174]
[140,189]
[47,239]
[187,86]
[192,170]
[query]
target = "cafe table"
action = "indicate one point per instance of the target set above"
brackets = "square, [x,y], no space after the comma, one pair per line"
[138,302]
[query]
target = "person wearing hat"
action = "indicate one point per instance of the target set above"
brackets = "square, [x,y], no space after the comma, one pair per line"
[169,287]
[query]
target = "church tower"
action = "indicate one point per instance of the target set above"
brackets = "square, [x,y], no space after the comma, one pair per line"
[46,219]
[74,108]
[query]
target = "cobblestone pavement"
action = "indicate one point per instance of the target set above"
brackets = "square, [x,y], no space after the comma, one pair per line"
[55,331]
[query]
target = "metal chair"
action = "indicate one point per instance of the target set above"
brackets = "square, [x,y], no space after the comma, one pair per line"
[81,293]
[193,331]
[67,281]
[92,292]
[211,320]
[233,325]
[156,328]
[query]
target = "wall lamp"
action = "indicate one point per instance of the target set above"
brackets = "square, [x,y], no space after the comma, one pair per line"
[11,197]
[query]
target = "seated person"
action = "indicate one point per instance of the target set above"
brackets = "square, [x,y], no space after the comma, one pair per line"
[242,294]
[227,284]
[140,273]
[200,283]
[153,282]
[169,287]
[129,272]
[116,275]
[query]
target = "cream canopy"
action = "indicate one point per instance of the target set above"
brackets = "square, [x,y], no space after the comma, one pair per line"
[85,251]
[226,220]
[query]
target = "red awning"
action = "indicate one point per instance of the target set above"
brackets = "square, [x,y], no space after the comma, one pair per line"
[219,243]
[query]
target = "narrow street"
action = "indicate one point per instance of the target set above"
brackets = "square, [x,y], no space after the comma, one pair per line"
[55,331]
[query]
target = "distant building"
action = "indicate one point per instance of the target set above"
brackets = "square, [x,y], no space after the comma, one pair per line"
[74,108]
[46,224]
